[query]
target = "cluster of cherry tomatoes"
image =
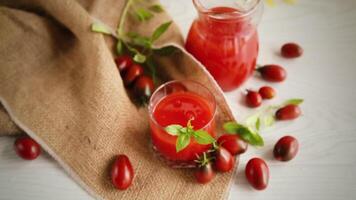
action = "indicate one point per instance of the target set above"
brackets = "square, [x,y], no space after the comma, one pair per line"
[133,75]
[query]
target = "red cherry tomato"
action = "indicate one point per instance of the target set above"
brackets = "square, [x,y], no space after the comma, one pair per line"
[204,174]
[273,73]
[291,50]
[132,74]
[257,173]
[27,148]
[253,99]
[144,87]
[122,172]
[123,62]
[224,161]
[267,92]
[288,112]
[286,148]
[233,143]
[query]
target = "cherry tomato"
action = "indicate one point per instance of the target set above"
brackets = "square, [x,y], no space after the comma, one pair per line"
[132,74]
[273,73]
[122,172]
[144,87]
[257,173]
[224,161]
[288,112]
[286,148]
[204,174]
[27,148]
[123,62]
[291,50]
[253,99]
[233,143]
[267,92]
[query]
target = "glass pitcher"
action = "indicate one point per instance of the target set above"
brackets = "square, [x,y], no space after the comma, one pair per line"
[224,39]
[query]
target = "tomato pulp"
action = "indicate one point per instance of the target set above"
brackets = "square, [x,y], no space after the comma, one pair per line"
[178,108]
[226,46]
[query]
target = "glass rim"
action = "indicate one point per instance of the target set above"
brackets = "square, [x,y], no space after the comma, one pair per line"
[236,14]
[151,107]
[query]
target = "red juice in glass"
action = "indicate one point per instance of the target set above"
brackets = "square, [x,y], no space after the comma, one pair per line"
[176,102]
[224,39]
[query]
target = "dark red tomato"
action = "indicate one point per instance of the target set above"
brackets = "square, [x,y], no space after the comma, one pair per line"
[132,74]
[288,112]
[123,62]
[176,87]
[233,143]
[204,174]
[144,87]
[224,161]
[286,148]
[267,92]
[253,99]
[257,173]
[291,50]
[273,73]
[122,172]
[27,148]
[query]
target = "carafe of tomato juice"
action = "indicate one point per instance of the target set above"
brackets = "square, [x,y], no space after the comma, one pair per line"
[224,39]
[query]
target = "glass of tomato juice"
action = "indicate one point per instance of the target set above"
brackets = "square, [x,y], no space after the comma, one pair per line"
[224,39]
[177,102]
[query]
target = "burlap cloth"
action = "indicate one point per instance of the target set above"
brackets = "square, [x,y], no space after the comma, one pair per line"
[59,84]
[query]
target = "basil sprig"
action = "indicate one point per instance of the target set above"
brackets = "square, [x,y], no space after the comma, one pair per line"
[263,118]
[246,133]
[185,133]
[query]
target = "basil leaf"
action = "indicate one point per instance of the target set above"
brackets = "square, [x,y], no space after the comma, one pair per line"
[183,141]
[160,30]
[250,136]
[173,129]
[231,127]
[246,133]
[258,124]
[140,58]
[203,137]
[156,8]
[184,130]
[143,14]
[119,47]
[251,120]
[166,51]
[269,120]
[142,41]
[293,102]
[100,28]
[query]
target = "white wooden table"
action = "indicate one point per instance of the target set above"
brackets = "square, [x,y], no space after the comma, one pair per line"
[325,77]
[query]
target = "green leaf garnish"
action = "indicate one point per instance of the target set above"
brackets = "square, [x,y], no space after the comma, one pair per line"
[160,30]
[185,133]
[166,51]
[119,48]
[203,137]
[183,141]
[156,8]
[269,120]
[246,133]
[293,101]
[100,28]
[140,58]
[173,129]
[258,124]
[143,14]
[231,127]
